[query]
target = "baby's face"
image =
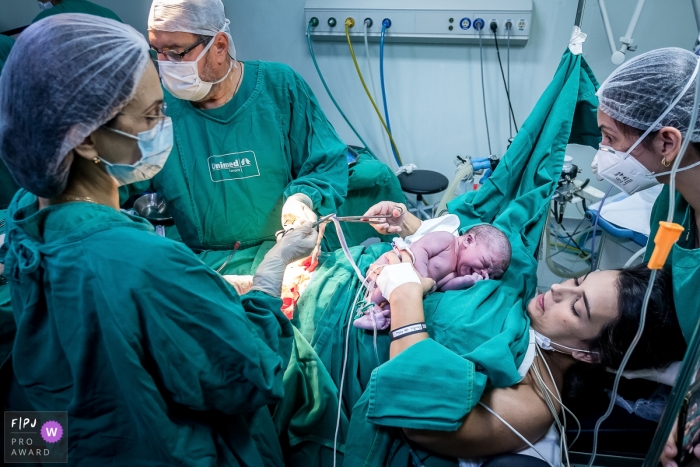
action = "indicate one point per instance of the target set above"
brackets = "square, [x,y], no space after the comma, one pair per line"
[473,257]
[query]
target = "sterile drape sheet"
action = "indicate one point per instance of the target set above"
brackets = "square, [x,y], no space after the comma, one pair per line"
[478,336]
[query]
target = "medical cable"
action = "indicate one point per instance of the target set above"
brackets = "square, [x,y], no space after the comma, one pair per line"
[483,88]
[368,24]
[516,432]
[348,23]
[595,228]
[508,29]
[505,84]
[330,94]
[557,397]
[342,377]
[628,355]
[385,24]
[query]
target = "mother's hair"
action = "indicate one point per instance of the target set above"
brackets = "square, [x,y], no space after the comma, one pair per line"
[662,341]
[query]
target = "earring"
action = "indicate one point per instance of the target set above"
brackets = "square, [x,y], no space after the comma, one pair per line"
[95,160]
[665,163]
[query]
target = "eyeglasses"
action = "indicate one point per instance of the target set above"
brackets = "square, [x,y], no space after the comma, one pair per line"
[178,57]
[161,113]
[154,120]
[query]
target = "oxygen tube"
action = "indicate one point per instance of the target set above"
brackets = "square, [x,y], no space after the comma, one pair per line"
[664,240]
[314,23]
[349,23]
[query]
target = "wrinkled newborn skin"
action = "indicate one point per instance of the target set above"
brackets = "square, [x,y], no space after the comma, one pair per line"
[454,263]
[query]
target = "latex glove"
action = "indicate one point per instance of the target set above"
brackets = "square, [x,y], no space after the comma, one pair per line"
[395,225]
[242,284]
[295,245]
[297,210]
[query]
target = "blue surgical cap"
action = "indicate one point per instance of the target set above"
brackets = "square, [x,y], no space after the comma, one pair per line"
[66,76]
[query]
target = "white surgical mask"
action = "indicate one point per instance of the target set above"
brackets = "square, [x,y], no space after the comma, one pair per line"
[182,79]
[45,6]
[622,169]
[155,145]
[545,343]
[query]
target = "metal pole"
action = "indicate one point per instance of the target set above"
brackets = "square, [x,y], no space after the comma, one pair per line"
[582,7]
[608,28]
[696,9]
[633,23]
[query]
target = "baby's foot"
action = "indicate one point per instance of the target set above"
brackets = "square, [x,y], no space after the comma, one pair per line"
[374,317]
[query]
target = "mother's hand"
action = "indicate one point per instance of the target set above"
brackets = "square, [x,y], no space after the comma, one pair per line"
[400,275]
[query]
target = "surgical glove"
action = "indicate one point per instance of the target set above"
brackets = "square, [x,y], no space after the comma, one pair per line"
[242,284]
[297,210]
[293,246]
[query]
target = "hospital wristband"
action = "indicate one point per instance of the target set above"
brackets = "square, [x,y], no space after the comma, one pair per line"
[404,331]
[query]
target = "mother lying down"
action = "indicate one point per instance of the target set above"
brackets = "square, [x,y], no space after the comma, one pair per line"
[586,321]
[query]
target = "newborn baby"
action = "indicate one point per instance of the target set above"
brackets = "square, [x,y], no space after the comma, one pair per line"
[454,263]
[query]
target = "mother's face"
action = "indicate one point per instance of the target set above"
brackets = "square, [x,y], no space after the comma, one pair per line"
[575,311]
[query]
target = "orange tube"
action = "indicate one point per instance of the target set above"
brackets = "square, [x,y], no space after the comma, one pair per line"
[665,238]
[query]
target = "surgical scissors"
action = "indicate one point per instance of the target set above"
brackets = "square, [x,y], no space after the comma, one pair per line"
[377,219]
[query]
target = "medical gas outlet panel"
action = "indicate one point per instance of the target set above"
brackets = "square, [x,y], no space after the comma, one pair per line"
[429,21]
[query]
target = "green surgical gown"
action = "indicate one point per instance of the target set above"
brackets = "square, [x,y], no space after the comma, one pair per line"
[684,259]
[232,167]
[8,186]
[77,6]
[478,336]
[155,357]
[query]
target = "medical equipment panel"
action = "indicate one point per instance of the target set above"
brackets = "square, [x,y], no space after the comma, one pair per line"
[437,21]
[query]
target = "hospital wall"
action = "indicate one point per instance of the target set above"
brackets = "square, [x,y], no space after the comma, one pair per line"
[433,91]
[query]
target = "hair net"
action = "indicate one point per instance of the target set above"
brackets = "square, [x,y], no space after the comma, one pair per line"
[639,91]
[203,17]
[66,76]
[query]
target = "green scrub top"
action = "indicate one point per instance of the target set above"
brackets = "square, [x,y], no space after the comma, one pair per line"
[232,168]
[684,259]
[155,357]
[77,6]
[8,186]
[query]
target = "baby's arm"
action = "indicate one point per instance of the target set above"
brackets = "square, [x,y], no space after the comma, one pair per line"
[460,282]
[435,246]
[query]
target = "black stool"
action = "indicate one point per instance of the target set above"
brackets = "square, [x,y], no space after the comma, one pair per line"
[419,183]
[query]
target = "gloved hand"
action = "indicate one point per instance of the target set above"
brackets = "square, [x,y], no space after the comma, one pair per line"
[297,210]
[242,284]
[295,245]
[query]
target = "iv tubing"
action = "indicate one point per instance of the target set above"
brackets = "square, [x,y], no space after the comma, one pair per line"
[483,90]
[320,75]
[371,74]
[364,85]
[385,24]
